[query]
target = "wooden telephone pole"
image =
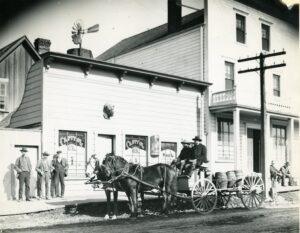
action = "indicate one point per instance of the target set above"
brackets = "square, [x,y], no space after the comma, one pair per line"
[263,110]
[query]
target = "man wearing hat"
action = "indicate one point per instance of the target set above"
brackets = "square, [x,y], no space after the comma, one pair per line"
[285,172]
[61,170]
[184,156]
[199,153]
[43,169]
[23,168]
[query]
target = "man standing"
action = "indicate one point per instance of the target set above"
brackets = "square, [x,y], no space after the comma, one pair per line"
[90,167]
[52,183]
[43,169]
[199,153]
[23,168]
[61,170]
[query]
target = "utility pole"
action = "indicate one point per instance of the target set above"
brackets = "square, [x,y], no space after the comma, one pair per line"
[263,110]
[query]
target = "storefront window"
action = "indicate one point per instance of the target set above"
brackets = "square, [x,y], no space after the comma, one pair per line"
[168,152]
[73,147]
[225,139]
[279,143]
[136,149]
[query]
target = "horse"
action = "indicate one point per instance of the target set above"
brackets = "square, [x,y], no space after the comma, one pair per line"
[159,176]
[99,171]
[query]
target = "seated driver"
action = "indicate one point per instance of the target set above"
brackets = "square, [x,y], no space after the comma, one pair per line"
[184,156]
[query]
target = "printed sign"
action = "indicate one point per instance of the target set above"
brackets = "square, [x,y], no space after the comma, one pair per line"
[154,146]
[168,152]
[136,149]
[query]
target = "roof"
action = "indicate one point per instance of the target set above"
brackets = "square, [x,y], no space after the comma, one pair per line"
[92,64]
[150,36]
[275,8]
[8,49]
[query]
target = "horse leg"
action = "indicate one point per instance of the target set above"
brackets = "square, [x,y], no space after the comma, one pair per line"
[142,200]
[133,196]
[115,204]
[107,192]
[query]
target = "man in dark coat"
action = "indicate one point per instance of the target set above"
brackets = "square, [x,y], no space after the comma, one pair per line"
[199,155]
[184,156]
[61,170]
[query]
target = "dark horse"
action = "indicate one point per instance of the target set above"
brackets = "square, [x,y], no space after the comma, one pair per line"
[100,173]
[160,176]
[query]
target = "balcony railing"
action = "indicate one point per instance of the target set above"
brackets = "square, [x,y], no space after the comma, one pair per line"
[223,97]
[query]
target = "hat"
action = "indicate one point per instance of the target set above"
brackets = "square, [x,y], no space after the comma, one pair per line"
[287,164]
[58,152]
[197,138]
[93,155]
[184,142]
[45,153]
[24,150]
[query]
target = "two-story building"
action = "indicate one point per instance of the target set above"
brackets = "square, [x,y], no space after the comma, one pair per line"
[206,45]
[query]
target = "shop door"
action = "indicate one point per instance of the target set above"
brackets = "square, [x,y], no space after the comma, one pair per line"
[253,150]
[104,145]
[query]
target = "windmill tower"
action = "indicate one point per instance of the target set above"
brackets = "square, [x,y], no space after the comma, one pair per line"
[78,31]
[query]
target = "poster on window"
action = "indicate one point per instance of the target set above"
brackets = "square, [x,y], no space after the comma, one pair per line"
[73,147]
[168,152]
[136,149]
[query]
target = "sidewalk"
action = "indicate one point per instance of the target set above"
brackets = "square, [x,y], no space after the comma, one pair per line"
[13,207]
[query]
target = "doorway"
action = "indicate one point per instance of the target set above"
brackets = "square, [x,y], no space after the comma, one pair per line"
[253,150]
[104,144]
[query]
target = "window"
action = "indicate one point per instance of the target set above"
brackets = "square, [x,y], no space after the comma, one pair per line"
[276,85]
[3,96]
[279,143]
[136,148]
[225,139]
[168,152]
[73,147]
[265,35]
[240,28]
[229,75]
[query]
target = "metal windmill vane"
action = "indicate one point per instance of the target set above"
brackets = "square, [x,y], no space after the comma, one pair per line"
[78,30]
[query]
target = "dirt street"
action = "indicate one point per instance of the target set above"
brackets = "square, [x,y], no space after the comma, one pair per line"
[231,220]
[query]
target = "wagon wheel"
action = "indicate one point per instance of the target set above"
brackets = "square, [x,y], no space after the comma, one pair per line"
[252,192]
[204,196]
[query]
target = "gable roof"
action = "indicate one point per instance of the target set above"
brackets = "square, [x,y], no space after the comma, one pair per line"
[8,49]
[149,36]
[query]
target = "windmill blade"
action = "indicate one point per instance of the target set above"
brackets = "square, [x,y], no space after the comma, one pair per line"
[94,28]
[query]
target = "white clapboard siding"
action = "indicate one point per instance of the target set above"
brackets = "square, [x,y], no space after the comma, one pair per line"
[30,109]
[76,103]
[177,55]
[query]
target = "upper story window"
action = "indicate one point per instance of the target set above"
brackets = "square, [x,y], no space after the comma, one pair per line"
[276,85]
[265,36]
[229,75]
[3,95]
[240,28]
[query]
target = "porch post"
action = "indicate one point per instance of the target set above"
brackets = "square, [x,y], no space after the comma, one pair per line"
[236,136]
[268,156]
[290,141]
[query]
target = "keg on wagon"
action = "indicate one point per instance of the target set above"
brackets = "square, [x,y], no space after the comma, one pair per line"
[221,180]
[231,178]
[239,177]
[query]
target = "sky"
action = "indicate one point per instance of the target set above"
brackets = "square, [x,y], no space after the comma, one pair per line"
[53,20]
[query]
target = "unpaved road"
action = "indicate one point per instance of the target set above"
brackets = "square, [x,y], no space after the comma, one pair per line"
[231,220]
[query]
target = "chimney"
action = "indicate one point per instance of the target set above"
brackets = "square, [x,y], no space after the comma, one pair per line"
[174,15]
[42,45]
[81,52]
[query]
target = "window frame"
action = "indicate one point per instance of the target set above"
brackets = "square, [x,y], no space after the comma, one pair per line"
[240,29]
[276,87]
[3,97]
[229,76]
[267,39]
[225,139]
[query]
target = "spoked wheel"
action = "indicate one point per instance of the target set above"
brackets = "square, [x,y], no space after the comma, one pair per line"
[204,196]
[252,192]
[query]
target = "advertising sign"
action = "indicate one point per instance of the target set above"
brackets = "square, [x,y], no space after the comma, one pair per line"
[136,149]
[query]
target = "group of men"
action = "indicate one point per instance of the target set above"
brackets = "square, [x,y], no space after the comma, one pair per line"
[192,155]
[282,174]
[50,175]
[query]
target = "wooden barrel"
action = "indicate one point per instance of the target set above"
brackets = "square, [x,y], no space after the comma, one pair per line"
[231,178]
[221,180]
[239,176]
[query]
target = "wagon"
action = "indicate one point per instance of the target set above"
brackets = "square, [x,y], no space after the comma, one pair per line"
[205,193]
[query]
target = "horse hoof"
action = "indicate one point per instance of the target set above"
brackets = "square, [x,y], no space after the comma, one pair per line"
[114,217]
[106,217]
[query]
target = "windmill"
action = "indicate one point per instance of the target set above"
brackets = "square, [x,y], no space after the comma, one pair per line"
[78,31]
